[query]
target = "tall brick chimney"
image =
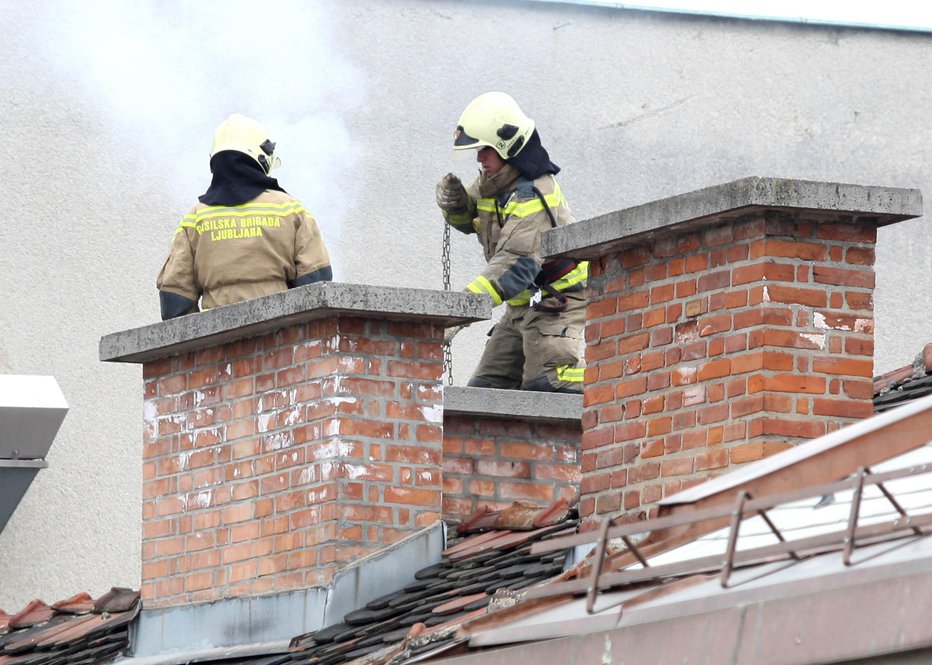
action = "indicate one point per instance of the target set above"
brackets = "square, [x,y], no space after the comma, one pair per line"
[724,325]
[287,436]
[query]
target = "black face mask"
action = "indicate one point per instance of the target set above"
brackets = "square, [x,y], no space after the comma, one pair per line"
[533,161]
[237,179]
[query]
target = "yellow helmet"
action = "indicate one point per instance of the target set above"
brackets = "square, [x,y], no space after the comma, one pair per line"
[494,120]
[247,136]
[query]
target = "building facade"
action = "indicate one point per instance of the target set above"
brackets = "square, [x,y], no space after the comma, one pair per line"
[101,158]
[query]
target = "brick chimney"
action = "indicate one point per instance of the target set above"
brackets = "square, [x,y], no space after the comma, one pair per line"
[502,446]
[724,325]
[287,436]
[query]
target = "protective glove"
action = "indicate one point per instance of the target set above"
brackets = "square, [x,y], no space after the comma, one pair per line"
[451,195]
[450,333]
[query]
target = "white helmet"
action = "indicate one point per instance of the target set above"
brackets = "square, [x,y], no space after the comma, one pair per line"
[494,120]
[247,136]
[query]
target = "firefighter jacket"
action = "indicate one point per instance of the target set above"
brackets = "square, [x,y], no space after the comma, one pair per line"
[509,213]
[225,254]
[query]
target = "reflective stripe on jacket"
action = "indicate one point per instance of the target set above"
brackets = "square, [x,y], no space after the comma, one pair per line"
[227,254]
[509,227]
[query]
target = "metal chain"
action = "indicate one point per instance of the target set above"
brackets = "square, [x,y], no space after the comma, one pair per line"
[445,261]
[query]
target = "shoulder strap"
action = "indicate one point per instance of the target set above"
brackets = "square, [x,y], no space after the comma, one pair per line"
[524,188]
[553,220]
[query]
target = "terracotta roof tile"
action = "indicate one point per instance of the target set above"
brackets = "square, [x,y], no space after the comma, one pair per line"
[466,544]
[423,616]
[521,515]
[35,612]
[905,384]
[118,599]
[555,513]
[74,631]
[80,603]
[482,520]
[458,604]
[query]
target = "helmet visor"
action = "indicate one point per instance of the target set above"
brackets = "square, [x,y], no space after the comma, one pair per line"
[466,146]
[463,141]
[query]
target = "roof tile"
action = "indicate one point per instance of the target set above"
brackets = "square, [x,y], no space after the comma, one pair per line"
[70,631]
[118,599]
[423,616]
[457,604]
[905,384]
[35,612]
[80,603]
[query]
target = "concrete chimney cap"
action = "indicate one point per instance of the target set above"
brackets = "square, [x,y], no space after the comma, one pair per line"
[287,308]
[613,231]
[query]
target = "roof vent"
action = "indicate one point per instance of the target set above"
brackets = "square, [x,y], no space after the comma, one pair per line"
[32,409]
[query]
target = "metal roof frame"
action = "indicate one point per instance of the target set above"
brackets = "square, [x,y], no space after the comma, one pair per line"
[845,540]
[621,577]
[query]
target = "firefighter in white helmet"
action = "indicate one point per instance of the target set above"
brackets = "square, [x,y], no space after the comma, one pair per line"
[246,236]
[535,344]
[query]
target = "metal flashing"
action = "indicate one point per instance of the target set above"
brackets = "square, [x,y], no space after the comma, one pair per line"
[276,618]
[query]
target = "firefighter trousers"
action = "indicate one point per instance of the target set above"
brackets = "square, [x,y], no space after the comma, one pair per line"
[534,350]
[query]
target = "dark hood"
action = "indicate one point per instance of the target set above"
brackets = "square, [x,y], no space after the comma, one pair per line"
[237,179]
[533,161]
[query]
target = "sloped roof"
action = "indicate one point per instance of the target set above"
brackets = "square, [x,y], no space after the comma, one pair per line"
[781,578]
[76,631]
[777,548]
[485,564]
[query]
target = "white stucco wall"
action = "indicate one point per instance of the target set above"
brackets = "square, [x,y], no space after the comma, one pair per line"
[107,110]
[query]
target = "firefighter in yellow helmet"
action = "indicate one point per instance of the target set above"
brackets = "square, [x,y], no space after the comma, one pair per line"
[246,236]
[535,344]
